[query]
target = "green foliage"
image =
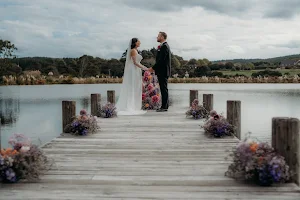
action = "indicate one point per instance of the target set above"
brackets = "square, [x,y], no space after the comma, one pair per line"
[267,73]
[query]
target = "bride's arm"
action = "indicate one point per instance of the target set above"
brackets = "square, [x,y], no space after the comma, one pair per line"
[133,55]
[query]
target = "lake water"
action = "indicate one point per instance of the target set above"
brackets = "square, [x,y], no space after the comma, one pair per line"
[36,110]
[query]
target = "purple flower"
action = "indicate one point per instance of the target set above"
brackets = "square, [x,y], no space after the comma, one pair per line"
[10,175]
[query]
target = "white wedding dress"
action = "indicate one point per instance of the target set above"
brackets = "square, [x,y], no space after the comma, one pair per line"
[130,99]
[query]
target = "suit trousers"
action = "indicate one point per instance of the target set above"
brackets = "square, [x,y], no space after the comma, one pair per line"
[163,84]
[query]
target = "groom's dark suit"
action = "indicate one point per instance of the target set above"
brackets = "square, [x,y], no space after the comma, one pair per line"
[162,69]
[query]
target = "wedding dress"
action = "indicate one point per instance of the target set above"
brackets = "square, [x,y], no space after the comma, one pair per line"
[130,98]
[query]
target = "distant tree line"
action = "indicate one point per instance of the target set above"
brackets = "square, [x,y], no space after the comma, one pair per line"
[87,66]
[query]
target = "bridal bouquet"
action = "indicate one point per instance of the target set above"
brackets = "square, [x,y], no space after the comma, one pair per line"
[197,111]
[82,124]
[257,161]
[218,126]
[108,111]
[23,161]
[151,98]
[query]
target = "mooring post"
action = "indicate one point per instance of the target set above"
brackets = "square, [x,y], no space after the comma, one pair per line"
[95,104]
[285,141]
[68,112]
[208,102]
[193,96]
[234,116]
[111,96]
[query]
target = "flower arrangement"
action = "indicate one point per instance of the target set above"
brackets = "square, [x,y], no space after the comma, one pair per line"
[108,111]
[197,111]
[217,125]
[23,161]
[257,161]
[82,124]
[151,93]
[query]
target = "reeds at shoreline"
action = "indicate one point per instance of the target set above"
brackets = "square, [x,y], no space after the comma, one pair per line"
[49,80]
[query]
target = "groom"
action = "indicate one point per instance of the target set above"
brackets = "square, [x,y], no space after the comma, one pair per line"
[162,69]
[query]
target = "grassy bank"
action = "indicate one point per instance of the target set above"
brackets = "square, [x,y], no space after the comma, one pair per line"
[248,73]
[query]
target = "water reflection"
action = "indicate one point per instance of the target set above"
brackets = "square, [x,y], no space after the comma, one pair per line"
[85,102]
[10,109]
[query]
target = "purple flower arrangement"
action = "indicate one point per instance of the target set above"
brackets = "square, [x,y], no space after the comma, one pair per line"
[257,161]
[23,161]
[83,124]
[197,111]
[108,111]
[217,125]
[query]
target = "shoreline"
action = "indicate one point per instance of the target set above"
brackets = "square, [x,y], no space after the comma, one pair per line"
[18,81]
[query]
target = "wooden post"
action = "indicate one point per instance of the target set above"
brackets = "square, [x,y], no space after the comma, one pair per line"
[111,96]
[208,102]
[193,96]
[286,141]
[95,103]
[68,112]
[0,133]
[234,116]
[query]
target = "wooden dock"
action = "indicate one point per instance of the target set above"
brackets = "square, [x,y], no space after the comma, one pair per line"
[154,156]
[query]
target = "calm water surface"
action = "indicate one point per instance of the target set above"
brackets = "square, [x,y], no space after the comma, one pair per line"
[36,110]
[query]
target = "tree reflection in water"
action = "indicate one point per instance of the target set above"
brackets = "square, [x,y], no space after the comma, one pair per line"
[10,110]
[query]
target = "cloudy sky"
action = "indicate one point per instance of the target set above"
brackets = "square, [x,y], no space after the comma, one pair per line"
[213,29]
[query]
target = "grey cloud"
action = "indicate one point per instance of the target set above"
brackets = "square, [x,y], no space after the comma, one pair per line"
[282,9]
[293,44]
[225,7]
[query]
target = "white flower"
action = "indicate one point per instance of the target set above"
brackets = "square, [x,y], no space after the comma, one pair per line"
[24,149]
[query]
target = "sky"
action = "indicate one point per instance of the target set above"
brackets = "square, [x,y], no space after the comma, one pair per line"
[211,29]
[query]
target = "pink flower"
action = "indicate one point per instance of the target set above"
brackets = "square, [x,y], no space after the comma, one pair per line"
[146,78]
[158,47]
[195,102]
[213,113]
[150,87]
[143,96]
[83,112]
[147,73]
[155,99]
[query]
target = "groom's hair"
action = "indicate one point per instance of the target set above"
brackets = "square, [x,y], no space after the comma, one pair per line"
[163,34]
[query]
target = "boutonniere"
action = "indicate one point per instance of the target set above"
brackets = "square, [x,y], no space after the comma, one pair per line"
[158,48]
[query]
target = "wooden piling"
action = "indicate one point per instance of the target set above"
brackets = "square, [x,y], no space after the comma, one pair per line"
[111,96]
[234,116]
[95,103]
[193,96]
[0,133]
[68,112]
[208,102]
[285,141]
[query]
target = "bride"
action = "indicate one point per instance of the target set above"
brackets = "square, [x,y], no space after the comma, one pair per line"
[130,99]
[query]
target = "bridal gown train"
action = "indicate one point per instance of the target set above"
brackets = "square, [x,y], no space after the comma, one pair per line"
[130,99]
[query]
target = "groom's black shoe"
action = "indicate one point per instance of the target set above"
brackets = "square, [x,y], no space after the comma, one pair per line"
[162,110]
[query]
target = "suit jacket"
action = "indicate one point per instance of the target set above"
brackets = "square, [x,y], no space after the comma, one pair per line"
[162,66]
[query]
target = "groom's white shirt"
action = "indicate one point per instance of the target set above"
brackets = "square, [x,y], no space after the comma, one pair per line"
[162,43]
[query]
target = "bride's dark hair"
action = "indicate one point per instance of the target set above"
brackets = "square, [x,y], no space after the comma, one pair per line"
[133,42]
